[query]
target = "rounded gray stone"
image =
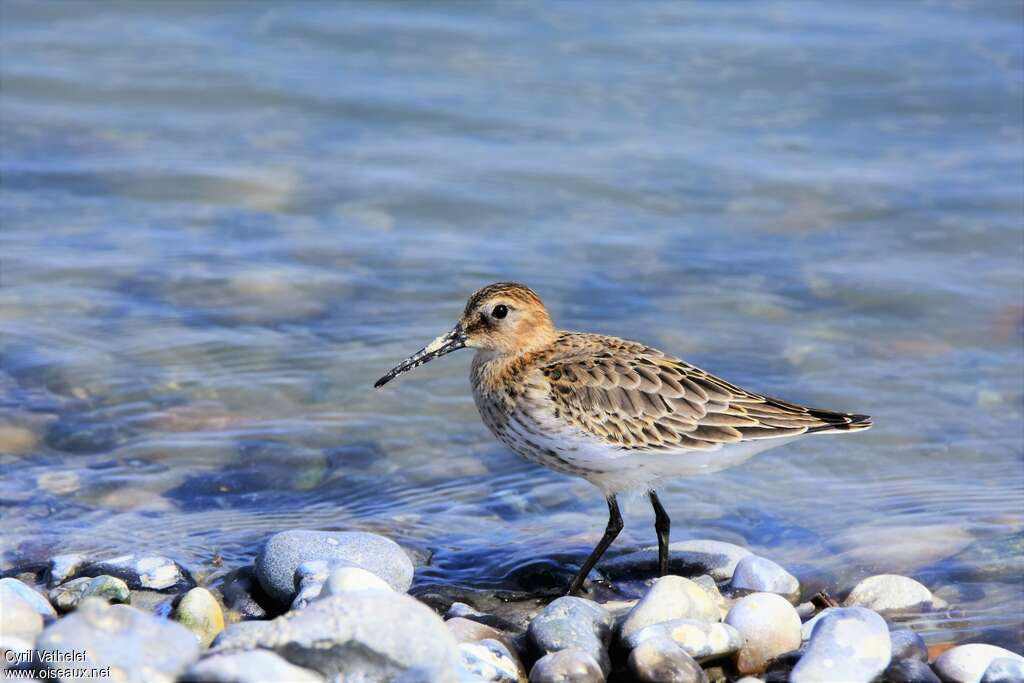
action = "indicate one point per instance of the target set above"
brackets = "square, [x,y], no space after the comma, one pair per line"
[850,644]
[968,663]
[670,597]
[11,588]
[362,635]
[909,671]
[67,596]
[1004,670]
[908,645]
[887,593]
[770,627]
[284,552]
[567,666]
[18,618]
[662,660]
[143,648]
[490,661]
[254,666]
[758,574]
[571,622]
[699,639]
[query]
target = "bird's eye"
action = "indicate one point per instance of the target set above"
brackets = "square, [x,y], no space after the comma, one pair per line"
[500,311]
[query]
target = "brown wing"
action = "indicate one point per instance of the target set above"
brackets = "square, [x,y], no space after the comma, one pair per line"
[637,397]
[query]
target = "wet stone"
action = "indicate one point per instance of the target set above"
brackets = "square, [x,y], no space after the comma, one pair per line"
[908,645]
[200,613]
[143,648]
[567,666]
[699,639]
[968,663]
[285,551]
[254,666]
[909,671]
[64,567]
[760,575]
[670,597]
[469,631]
[144,571]
[25,593]
[1004,670]
[849,644]
[19,619]
[769,626]
[364,635]
[888,593]
[153,602]
[686,558]
[243,594]
[490,661]
[662,660]
[573,623]
[347,579]
[67,596]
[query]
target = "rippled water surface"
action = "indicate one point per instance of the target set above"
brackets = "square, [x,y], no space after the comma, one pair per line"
[222,222]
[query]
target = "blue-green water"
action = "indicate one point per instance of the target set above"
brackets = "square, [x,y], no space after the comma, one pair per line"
[222,222]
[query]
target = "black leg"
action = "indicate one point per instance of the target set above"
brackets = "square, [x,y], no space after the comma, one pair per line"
[661,525]
[610,532]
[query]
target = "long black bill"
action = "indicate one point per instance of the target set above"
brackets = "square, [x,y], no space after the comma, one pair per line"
[446,343]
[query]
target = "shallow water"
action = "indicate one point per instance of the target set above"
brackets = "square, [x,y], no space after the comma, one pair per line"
[222,222]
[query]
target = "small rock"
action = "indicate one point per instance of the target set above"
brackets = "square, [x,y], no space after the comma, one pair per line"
[670,597]
[363,635]
[699,639]
[710,587]
[662,660]
[285,551]
[461,609]
[968,663]
[17,439]
[806,610]
[887,593]
[140,647]
[254,666]
[849,644]
[573,623]
[1004,670]
[760,575]
[19,619]
[469,631]
[25,593]
[309,580]
[144,571]
[67,596]
[908,645]
[63,567]
[243,593]
[749,679]
[567,666]
[909,671]
[490,661]
[808,626]
[153,602]
[200,613]
[686,558]
[769,626]
[348,579]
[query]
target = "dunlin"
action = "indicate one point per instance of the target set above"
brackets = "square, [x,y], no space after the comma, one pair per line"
[620,414]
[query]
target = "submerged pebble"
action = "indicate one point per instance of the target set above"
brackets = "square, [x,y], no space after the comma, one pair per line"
[67,596]
[662,660]
[567,666]
[908,645]
[285,551]
[909,671]
[769,626]
[670,597]
[850,644]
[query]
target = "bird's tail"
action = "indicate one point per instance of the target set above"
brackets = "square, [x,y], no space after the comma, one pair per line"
[838,422]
